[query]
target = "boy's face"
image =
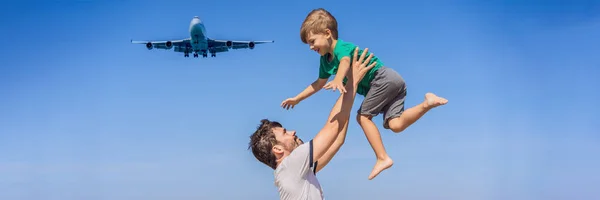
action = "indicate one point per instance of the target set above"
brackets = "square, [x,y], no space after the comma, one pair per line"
[320,42]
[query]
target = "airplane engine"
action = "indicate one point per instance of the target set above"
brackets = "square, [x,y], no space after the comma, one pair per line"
[229,43]
[149,45]
[251,45]
[168,44]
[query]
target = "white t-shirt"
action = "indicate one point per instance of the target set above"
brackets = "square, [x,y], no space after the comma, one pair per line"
[295,176]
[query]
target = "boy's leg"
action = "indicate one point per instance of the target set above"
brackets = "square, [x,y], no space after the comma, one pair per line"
[382,92]
[372,133]
[397,119]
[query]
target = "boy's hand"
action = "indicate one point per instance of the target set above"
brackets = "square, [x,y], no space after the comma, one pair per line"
[290,102]
[335,84]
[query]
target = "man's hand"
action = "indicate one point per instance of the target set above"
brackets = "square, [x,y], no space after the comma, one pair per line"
[290,102]
[359,65]
[335,84]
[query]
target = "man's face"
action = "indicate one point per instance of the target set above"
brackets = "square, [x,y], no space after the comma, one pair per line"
[288,141]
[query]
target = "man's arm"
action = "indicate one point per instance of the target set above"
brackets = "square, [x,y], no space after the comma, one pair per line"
[338,118]
[311,89]
[335,147]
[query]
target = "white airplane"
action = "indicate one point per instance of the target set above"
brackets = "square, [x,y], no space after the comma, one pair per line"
[199,42]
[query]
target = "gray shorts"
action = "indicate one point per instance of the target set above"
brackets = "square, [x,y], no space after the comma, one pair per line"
[386,95]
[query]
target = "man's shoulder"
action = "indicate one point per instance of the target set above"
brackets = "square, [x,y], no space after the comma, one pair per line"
[295,176]
[302,152]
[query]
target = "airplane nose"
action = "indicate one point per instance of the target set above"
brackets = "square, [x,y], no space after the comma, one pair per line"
[196,20]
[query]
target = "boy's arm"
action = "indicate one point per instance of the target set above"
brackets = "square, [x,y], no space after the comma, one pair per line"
[342,69]
[311,89]
[342,72]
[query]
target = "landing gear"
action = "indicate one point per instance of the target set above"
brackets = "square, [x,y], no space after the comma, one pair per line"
[197,53]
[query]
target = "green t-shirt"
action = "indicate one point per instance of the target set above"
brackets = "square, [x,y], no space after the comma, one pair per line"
[343,49]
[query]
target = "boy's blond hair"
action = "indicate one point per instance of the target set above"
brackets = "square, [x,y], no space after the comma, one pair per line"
[318,21]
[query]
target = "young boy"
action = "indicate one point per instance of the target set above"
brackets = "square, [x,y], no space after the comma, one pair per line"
[384,89]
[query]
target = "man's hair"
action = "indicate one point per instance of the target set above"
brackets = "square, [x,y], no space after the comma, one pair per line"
[262,141]
[317,21]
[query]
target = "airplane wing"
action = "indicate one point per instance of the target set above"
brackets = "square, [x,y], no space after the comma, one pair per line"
[214,46]
[167,44]
[225,45]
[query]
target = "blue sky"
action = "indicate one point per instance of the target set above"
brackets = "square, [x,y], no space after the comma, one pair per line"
[87,115]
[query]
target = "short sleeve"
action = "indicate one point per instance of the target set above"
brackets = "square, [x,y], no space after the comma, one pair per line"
[344,50]
[300,161]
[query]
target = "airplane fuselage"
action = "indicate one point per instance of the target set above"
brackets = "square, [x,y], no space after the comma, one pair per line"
[199,42]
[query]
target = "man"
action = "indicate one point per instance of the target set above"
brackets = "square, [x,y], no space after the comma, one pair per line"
[295,162]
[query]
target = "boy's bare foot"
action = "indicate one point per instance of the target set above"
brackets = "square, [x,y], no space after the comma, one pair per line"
[432,101]
[380,166]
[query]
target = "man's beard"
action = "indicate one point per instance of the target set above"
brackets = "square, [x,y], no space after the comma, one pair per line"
[293,144]
[298,141]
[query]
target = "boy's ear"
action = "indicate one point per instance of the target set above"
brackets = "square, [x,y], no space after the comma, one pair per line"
[328,33]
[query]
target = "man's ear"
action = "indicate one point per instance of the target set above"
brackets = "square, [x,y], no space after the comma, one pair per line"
[328,33]
[277,149]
